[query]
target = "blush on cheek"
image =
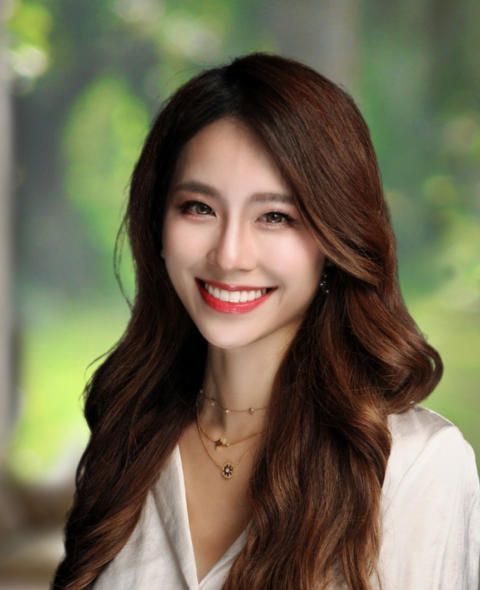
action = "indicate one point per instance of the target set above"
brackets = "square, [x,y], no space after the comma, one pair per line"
[174,242]
[289,261]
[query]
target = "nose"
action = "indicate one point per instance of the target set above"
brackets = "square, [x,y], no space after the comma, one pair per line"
[233,248]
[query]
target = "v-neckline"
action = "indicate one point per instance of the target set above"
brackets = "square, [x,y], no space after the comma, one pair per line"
[184,537]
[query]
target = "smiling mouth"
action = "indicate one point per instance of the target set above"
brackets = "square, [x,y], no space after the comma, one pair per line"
[234,296]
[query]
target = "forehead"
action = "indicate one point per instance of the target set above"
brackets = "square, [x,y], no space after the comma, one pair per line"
[227,154]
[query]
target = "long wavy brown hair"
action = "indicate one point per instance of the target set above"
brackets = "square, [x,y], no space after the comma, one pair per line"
[357,357]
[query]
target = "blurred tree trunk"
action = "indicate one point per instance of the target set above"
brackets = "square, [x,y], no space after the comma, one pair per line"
[321,33]
[6,316]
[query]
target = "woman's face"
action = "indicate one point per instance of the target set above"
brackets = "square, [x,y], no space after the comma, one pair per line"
[238,256]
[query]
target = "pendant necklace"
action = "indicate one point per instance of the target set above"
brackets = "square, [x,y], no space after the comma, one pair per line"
[222,442]
[228,469]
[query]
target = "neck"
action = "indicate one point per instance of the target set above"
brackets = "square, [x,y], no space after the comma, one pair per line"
[239,379]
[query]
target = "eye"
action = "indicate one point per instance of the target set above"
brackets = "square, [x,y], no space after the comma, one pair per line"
[196,207]
[278,218]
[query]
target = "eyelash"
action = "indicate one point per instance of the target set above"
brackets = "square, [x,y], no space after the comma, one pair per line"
[187,207]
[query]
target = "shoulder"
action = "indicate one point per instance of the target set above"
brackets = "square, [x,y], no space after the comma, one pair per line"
[430,506]
[428,447]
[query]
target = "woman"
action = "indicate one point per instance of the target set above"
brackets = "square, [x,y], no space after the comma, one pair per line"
[256,426]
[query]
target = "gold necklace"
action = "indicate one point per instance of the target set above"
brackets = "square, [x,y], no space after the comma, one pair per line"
[214,402]
[228,469]
[222,442]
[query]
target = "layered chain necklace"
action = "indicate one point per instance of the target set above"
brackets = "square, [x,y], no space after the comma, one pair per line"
[214,402]
[228,469]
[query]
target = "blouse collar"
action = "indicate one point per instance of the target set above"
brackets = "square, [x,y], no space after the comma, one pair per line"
[171,502]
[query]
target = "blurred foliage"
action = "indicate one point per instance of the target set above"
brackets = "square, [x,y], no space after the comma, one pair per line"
[103,136]
[29,26]
[56,362]
[87,77]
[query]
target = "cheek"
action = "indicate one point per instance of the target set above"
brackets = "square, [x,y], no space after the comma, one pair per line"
[176,239]
[177,250]
[170,230]
[299,261]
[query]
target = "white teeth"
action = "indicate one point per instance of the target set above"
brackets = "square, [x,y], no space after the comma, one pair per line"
[234,296]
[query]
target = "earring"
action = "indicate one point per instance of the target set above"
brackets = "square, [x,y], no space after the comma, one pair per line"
[324,282]
[162,253]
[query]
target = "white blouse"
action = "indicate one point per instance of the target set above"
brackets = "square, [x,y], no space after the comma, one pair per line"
[430,510]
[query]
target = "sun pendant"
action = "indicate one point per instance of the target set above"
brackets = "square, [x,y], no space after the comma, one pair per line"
[228,470]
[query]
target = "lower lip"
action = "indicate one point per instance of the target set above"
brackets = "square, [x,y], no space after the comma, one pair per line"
[227,306]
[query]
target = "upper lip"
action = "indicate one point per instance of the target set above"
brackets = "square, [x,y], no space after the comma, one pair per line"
[226,287]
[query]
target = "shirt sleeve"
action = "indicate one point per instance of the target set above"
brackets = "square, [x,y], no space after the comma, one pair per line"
[431,526]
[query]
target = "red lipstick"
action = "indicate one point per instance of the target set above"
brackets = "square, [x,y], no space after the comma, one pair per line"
[227,306]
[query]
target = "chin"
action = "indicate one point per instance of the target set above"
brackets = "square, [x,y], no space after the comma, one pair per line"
[227,338]
[227,343]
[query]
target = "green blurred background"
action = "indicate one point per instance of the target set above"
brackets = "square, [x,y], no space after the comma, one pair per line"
[87,76]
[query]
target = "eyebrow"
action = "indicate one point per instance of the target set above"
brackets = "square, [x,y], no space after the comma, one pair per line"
[205,189]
